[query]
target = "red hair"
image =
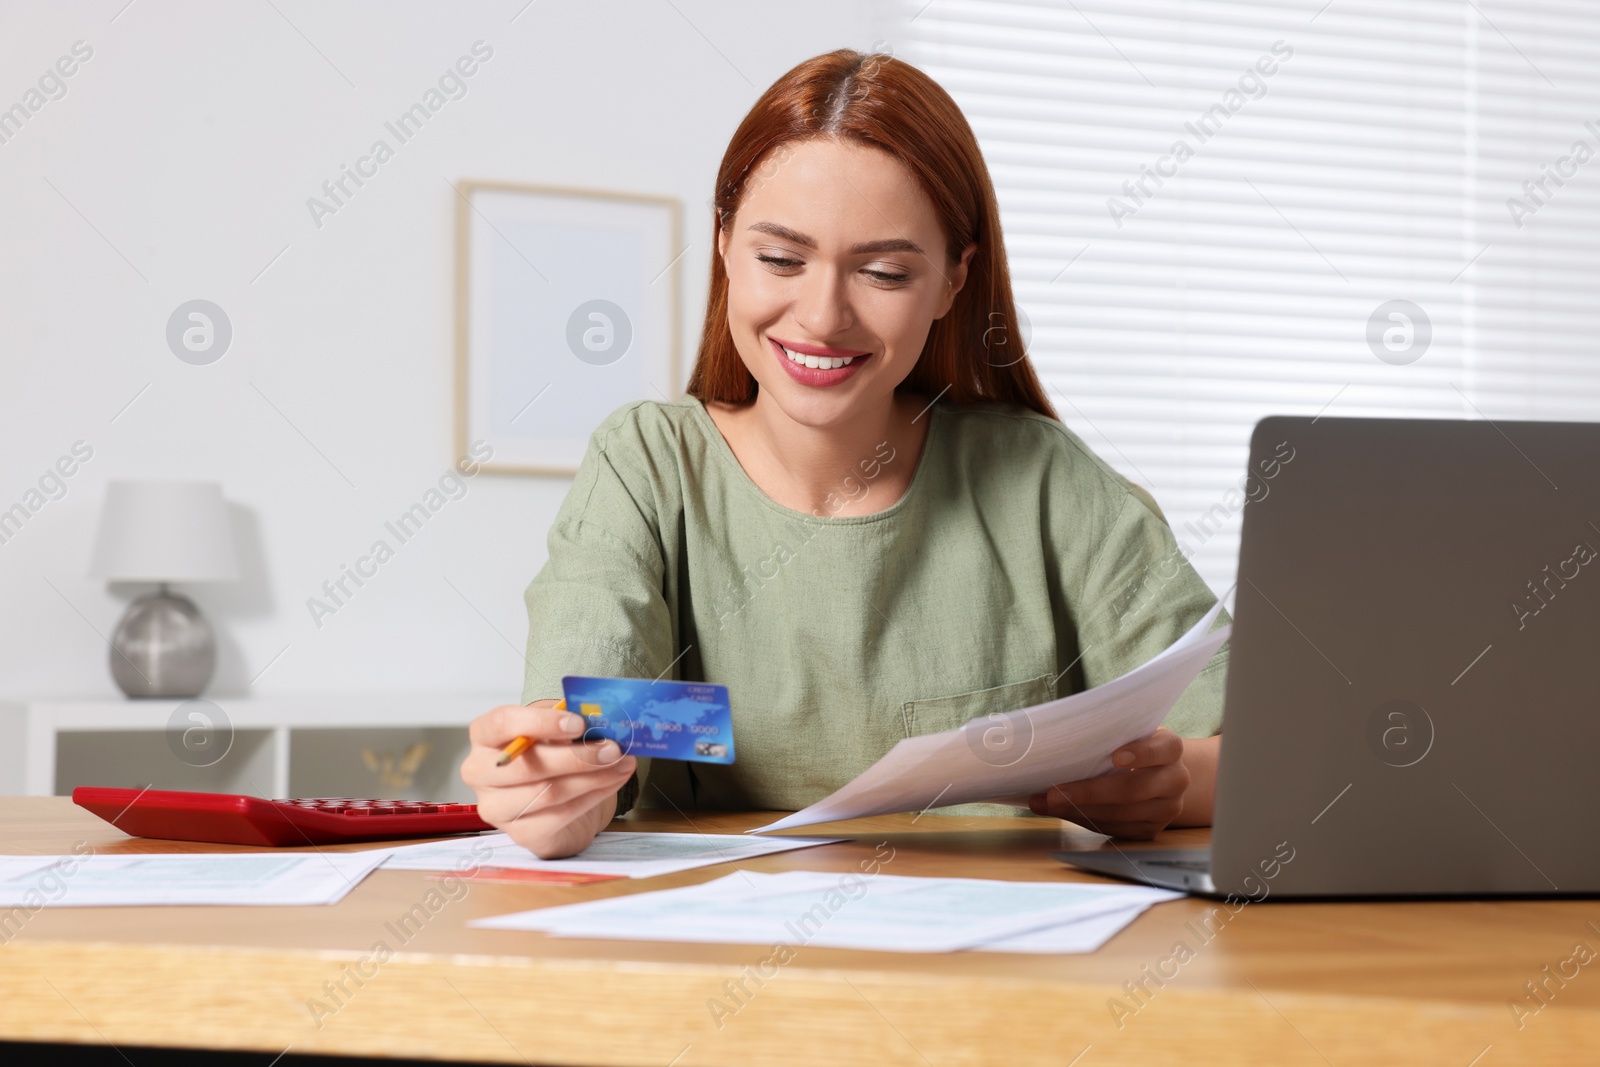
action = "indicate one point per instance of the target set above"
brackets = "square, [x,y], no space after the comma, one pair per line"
[974,353]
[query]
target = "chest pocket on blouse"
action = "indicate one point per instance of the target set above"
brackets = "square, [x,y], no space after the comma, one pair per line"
[947,713]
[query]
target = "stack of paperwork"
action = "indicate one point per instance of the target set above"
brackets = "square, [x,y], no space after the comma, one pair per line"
[1059,741]
[881,912]
[247,878]
[627,853]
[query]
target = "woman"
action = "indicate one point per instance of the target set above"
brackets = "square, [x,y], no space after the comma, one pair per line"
[865,520]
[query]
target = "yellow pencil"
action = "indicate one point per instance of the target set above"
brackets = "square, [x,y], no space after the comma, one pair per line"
[519,745]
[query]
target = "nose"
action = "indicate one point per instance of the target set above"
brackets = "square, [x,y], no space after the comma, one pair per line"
[822,307]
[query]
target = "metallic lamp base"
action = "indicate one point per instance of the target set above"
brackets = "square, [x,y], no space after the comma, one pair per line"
[163,647]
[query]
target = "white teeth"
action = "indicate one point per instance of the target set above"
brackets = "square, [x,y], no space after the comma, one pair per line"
[818,362]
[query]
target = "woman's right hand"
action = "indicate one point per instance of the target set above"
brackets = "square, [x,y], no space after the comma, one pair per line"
[557,795]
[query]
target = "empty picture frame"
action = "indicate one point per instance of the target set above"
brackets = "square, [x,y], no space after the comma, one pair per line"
[566,309]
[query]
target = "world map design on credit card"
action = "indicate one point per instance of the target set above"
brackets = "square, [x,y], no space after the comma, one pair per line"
[655,719]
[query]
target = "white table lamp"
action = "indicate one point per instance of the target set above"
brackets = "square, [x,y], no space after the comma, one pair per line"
[164,531]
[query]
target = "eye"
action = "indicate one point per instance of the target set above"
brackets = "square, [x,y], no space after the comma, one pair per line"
[787,265]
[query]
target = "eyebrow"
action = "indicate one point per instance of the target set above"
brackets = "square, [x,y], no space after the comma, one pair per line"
[890,244]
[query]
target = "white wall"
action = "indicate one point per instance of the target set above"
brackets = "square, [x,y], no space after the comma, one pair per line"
[178,165]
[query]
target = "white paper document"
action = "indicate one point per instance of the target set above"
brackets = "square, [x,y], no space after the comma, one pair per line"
[1085,935]
[1018,753]
[634,855]
[252,878]
[880,912]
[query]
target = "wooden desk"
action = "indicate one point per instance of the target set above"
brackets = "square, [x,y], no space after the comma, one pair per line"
[1278,983]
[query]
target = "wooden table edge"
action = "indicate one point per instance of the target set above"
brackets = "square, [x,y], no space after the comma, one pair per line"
[434,1006]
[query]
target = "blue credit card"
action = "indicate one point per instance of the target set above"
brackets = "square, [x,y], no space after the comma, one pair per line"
[655,720]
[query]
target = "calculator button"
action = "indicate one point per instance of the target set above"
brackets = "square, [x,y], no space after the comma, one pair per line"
[362,806]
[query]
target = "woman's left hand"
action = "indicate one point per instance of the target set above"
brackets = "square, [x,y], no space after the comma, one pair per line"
[1137,800]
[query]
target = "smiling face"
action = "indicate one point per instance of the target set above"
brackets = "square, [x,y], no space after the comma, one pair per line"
[837,269]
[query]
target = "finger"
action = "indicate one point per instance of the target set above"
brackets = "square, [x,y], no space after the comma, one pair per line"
[1159,748]
[551,758]
[1143,831]
[502,806]
[1118,787]
[541,763]
[555,828]
[564,810]
[497,728]
[563,831]
[591,754]
[1137,821]
[1161,810]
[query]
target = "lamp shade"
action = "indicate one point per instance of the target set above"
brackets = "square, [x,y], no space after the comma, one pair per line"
[164,531]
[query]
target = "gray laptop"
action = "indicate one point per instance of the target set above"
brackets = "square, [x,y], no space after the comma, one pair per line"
[1413,699]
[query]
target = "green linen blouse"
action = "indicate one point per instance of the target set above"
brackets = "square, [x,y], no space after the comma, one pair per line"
[1017,567]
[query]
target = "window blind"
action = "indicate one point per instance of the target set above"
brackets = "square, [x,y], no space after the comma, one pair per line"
[1216,211]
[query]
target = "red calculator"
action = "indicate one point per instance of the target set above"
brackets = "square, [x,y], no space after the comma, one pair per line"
[240,820]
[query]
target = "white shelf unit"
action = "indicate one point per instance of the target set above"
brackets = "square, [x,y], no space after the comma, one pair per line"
[274,746]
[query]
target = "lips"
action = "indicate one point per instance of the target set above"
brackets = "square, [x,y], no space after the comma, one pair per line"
[824,357]
[817,365]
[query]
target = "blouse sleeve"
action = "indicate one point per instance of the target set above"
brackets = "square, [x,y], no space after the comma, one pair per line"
[596,607]
[1138,595]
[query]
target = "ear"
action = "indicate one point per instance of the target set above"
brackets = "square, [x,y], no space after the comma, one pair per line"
[957,278]
[722,246]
